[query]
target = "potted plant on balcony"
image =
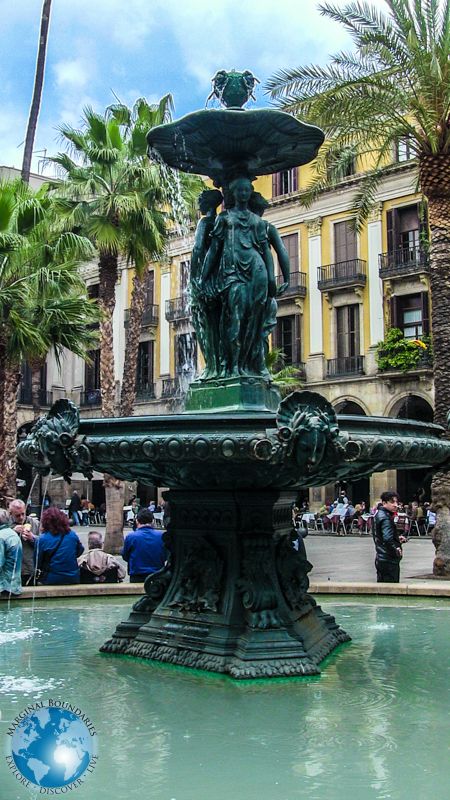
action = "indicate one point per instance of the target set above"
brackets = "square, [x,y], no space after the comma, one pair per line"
[402,354]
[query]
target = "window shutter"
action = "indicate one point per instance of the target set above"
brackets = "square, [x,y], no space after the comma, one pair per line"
[424,235]
[275,179]
[295,179]
[394,312]
[297,341]
[390,231]
[425,313]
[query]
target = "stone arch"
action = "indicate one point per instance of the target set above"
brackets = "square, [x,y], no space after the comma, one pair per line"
[411,405]
[350,405]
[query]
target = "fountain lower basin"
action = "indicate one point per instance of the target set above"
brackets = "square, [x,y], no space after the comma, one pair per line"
[360,730]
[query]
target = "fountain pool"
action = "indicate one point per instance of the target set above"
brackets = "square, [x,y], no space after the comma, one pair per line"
[373,725]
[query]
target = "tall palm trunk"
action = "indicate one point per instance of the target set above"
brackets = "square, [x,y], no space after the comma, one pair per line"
[12,382]
[36,365]
[133,334]
[114,489]
[37,92]
[3,486]
[435,182]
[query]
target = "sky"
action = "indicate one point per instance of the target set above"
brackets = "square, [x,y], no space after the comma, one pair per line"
[145,48]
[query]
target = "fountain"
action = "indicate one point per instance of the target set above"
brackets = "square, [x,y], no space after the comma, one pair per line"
[234,596]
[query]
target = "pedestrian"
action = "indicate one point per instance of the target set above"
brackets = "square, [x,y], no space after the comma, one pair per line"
[10,557]
[143,549]
[28,528]
[96,566]
[84,510]
[57,549]
[74,507]
[388,541]
[152,506]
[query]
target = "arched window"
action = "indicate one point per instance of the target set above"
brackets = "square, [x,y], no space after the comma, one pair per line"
[349,407]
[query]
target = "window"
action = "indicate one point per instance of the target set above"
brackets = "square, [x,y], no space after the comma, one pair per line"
[185,353]
[149,289]
[345,247]
[284,182]
[287,338]
[291,244]
[185,271]
[144,374]
[404,151]
[404,228]
[92,372]
[410,313]
[347,322]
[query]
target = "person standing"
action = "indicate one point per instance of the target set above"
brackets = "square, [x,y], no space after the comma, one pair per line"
[143,549]
[10,557]
[74,508]
[28,529]
[388,542]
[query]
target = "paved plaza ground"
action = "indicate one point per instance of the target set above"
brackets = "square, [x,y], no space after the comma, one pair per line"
[347,558]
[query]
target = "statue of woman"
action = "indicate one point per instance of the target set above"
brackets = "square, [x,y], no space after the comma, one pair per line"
[241,264]
[204,305]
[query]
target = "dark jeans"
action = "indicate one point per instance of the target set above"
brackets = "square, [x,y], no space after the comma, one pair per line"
[387,571]
[139,578]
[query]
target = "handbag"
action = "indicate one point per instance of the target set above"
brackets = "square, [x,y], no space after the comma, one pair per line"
[43,571]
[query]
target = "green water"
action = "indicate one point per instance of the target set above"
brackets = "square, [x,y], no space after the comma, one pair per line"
[374,725]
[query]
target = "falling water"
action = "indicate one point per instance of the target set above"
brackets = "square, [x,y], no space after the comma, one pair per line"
[37,550]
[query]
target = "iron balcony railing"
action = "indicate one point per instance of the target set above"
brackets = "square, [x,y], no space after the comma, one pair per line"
[297,284]
[145,391]
[406,261]
[178,308]
[344,273]
[26,397]
[170,387]
[150,316]
[349,365]
[91,397]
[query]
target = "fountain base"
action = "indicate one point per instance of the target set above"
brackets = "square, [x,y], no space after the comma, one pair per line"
[239,393]
[234,598]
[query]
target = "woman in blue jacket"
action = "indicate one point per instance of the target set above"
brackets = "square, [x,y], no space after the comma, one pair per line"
[57,549]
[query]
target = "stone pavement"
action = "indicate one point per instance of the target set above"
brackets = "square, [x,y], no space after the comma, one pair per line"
[346,558]
[342,565]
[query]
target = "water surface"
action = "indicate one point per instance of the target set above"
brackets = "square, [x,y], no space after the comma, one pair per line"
[374,725]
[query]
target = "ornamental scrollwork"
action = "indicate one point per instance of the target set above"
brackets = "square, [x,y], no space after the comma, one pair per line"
[54,444]
[199,583]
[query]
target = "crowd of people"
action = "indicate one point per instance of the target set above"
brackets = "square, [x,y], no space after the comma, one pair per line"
[341,516]
[49,552]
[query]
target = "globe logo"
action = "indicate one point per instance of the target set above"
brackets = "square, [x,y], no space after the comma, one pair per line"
[51,747]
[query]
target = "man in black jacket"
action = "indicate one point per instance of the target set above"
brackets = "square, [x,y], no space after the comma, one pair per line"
[388,542]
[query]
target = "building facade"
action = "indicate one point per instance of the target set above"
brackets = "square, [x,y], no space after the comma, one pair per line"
[346,291]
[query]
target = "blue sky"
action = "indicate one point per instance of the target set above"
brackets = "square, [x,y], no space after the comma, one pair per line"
[145,48]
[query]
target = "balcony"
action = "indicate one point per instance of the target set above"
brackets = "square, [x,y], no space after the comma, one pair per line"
[26,398]
[145,392]
[340,367]
[170,386]
[406,261]
[177,309]
[297,285]
[150,316]
[342,275]
[90,398]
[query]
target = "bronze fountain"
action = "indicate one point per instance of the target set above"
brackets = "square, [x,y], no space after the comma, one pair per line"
[233,597]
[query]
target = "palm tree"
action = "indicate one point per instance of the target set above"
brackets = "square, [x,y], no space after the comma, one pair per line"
[123,202]
[394,88]
[37,92]
[42,300]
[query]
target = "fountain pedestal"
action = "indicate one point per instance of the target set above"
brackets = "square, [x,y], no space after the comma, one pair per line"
[237,600]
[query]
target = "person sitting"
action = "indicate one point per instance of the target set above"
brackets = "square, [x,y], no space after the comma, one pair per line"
[57,549]
[96,566]
[10,558]
[144,550]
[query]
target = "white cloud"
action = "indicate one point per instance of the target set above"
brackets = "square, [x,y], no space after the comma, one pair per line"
[72,74]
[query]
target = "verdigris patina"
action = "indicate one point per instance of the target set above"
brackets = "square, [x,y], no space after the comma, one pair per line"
[233,597]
